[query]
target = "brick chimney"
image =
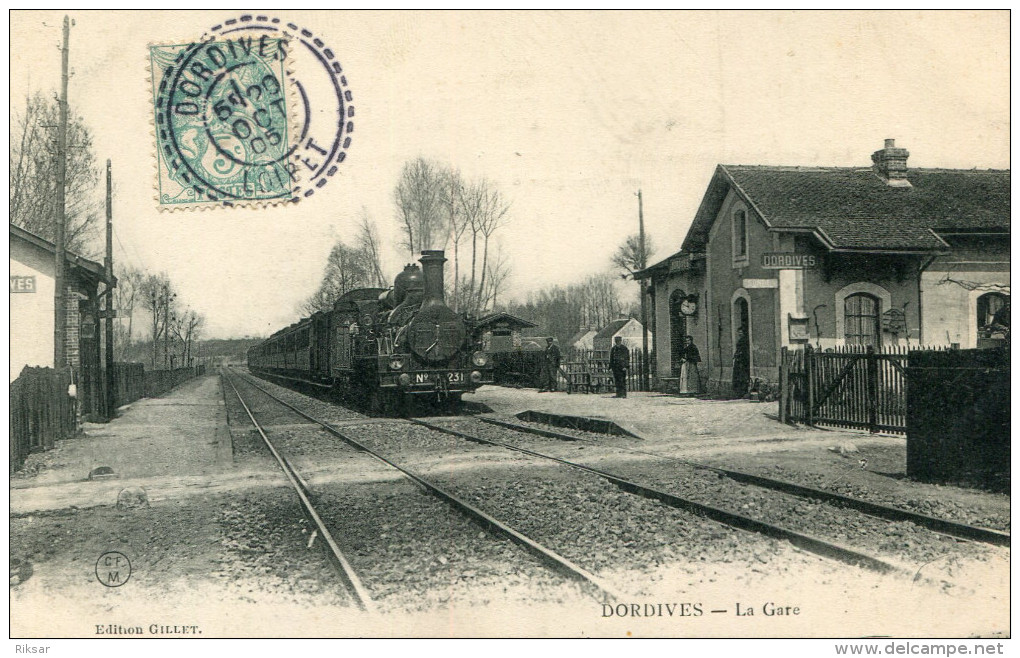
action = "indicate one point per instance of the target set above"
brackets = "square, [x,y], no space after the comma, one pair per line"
[890,164]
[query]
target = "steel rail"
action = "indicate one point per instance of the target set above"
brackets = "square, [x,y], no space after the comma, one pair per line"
[815,545]
[268,373]
[887,512]
[357,589]
[487,521]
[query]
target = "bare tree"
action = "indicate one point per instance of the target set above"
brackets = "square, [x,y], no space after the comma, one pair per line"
[158,297]
[499,274]
[484,212]
[33,176]
[418,197]
[347,268]
[186,328]
[125,295]
[368,244]
[457,222]
[493,214]
[629,257]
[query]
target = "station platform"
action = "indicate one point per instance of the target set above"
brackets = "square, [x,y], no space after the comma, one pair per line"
[652,416]
[165,444]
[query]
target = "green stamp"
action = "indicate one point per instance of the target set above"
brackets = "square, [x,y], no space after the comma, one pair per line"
[222,131]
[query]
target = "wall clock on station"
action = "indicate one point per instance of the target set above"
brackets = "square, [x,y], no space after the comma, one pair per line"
[689,306]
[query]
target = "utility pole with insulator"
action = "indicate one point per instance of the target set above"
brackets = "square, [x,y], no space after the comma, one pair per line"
[60,284]
[110,312]
[645,380]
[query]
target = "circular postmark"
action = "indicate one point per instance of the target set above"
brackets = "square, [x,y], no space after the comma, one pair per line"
[256,109]
[113,568]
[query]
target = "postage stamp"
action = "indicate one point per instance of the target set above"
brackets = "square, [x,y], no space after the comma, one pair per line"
[255,111]
[222,130]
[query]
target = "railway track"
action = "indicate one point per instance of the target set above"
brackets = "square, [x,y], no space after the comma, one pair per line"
[352,582]
[841,551]
[589,581]
[753,521]
[887,512]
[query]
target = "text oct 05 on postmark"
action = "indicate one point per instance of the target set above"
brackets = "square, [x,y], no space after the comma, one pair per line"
[257,111]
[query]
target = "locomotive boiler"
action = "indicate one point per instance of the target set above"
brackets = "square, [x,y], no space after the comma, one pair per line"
[384,348]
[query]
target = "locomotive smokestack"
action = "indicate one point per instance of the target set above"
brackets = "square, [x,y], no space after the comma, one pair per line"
[432,271]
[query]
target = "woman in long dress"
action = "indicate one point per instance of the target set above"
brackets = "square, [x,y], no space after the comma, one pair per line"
[690,375]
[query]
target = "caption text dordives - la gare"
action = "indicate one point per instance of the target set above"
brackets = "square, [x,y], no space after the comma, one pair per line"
[152,629]
[768,609]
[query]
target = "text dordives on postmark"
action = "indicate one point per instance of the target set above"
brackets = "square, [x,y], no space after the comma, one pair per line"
[234,119]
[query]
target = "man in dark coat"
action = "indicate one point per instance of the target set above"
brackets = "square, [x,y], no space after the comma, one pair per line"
[550,365]
[619,363]
[741,364]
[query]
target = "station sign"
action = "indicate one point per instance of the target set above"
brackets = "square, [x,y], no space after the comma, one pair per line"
[22,283]
[789,261]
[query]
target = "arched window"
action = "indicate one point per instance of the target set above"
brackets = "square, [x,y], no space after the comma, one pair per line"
[861,317]
[739,234]
[992,314]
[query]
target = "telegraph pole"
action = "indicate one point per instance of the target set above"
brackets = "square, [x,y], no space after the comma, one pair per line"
[59,291]
[645,380]
[108,263]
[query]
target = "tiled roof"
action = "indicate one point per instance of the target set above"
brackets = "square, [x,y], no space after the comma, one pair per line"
[610,329]
[855,209]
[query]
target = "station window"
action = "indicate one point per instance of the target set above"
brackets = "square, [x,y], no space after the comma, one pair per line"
[992,315]
[861,320]
[740,235]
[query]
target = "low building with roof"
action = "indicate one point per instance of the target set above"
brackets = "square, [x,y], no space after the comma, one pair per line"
[868,256]
[583,340]
[501,332]
[32,288]
[627,328]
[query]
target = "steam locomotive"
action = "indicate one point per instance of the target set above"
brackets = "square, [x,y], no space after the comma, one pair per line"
[384,348]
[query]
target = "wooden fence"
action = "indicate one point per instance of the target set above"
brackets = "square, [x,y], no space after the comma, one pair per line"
[41,412]
[158,382]
[849,386]
[587,371]
[128,383]
[132,381]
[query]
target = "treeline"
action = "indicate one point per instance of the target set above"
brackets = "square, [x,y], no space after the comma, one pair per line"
[166,330]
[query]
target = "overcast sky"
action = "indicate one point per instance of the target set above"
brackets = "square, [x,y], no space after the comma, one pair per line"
[569,114]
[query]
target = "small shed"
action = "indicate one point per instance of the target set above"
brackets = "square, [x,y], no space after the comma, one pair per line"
[627,328]
[501,332]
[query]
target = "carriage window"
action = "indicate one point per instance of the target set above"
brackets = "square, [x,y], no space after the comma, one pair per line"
[861,320]
[992,315]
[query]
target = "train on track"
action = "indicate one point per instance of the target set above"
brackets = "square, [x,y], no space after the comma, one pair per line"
[384,348]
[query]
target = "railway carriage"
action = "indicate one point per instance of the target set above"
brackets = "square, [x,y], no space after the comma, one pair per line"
[384,347]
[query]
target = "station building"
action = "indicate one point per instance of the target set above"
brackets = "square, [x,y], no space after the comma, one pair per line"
[32,285]
[882,256]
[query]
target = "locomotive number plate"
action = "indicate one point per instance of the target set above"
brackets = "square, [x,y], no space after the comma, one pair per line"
[452,377]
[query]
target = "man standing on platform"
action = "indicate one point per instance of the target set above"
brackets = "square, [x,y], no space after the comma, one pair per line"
[550,365]
[619,363]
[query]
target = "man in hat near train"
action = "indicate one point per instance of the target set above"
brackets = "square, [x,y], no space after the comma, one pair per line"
[550,365]
[619,363]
